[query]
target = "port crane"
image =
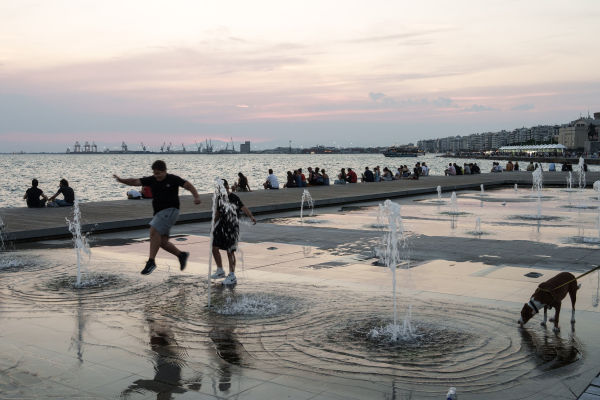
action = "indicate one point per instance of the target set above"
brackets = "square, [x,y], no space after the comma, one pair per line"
[143,147]
[183,146]
[162,148]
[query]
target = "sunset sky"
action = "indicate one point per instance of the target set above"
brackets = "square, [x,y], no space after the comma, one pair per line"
[367,72]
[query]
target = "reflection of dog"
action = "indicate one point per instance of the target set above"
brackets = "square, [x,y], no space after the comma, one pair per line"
[549,294]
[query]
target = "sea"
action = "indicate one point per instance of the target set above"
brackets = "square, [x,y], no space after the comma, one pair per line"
[91,175]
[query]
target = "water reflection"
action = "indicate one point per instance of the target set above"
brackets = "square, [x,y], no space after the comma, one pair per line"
[169,360]
[548,350]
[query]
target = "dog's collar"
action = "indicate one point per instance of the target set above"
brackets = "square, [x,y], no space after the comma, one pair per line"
[532,305]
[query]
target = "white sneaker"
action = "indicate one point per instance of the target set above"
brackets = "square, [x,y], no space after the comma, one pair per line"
[230,280]
[219,273]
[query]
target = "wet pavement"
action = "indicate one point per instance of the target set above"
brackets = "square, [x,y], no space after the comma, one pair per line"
[297,323]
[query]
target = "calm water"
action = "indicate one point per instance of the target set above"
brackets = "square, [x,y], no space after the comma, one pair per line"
[91,175]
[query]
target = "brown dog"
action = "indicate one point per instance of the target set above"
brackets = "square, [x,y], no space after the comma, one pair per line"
[550,295]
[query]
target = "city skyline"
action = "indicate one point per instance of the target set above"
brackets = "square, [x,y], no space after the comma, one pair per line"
[365,73]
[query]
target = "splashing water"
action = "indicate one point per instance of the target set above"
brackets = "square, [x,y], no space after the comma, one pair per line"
[439,192]
[478,226]
[220,198]
[454,203]
[516,189]
[389,253]
[581,175]
[2,235]
[537,178]
[306,198]
[597,189]
[570,181]
[482,191]
[596,296]
[80,241]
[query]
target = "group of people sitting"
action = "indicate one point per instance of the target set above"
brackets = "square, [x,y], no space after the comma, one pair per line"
[318,177]
[402,172]
[466,169]
[36,198]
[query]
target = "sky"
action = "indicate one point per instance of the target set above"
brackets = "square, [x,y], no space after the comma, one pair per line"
[331,72]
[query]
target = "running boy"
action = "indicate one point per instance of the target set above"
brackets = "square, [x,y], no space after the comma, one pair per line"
[165,188]
[226,234]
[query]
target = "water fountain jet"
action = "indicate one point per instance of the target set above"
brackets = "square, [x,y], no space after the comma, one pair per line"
[80,242]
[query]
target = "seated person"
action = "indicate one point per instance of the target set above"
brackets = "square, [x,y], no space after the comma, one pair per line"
[450,170]
[302,178]
[516,167]
[134,195]
[32,195]
[425,169]
[415,173]
[467,169]
[325,178]
[564,167]
[509,166]
[368,176]
[458,169]
[552,167]
[241,185]
[341,180]
[298,178]
[146,192]
[405,172]
[271,182]
[387,174]
[531,167]
[419,169]
[68,195]
[398,174]
[291,181]
[319,181]
[351,177]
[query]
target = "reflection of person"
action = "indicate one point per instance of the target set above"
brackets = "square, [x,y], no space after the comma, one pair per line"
[165,189]
[67,192]
[169,358]
[32,195]
[226,234]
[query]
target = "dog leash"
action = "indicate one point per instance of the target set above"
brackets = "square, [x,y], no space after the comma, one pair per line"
[566,283]
[580,276]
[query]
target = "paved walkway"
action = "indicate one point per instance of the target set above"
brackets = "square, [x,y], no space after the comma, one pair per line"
[24,224]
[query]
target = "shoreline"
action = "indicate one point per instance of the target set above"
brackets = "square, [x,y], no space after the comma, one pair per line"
[556,160]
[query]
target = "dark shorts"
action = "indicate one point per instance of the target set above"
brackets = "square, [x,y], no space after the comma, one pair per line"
[164,220]
[226,236]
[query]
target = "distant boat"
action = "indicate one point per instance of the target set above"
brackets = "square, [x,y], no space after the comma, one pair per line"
[401,151]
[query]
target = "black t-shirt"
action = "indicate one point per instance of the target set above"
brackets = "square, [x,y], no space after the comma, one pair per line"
[33,196]
[165,193]
[68,193]
[234,200]
[458,170]
[369,176]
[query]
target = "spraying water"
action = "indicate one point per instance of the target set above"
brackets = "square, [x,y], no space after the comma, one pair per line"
[439,192]
[597,189]
[389,254]
[516,189]
[478,226]
[306,198]
[80,242]
[482,191]
[1,234]
[538,177]
[581,175]
[219,197]
[570,181]
[454,203]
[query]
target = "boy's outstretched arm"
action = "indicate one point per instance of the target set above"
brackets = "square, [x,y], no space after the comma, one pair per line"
[192,189]
[130,181]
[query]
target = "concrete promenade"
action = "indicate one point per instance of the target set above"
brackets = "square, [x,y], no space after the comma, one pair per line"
[24,224]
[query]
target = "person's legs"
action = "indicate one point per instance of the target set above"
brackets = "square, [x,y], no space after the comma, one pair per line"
[231,257]
[217,256]
[168,246]
[62,203]
[155,242]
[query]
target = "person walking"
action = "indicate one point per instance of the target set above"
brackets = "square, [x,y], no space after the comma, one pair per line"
[226,234]
[165,189]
